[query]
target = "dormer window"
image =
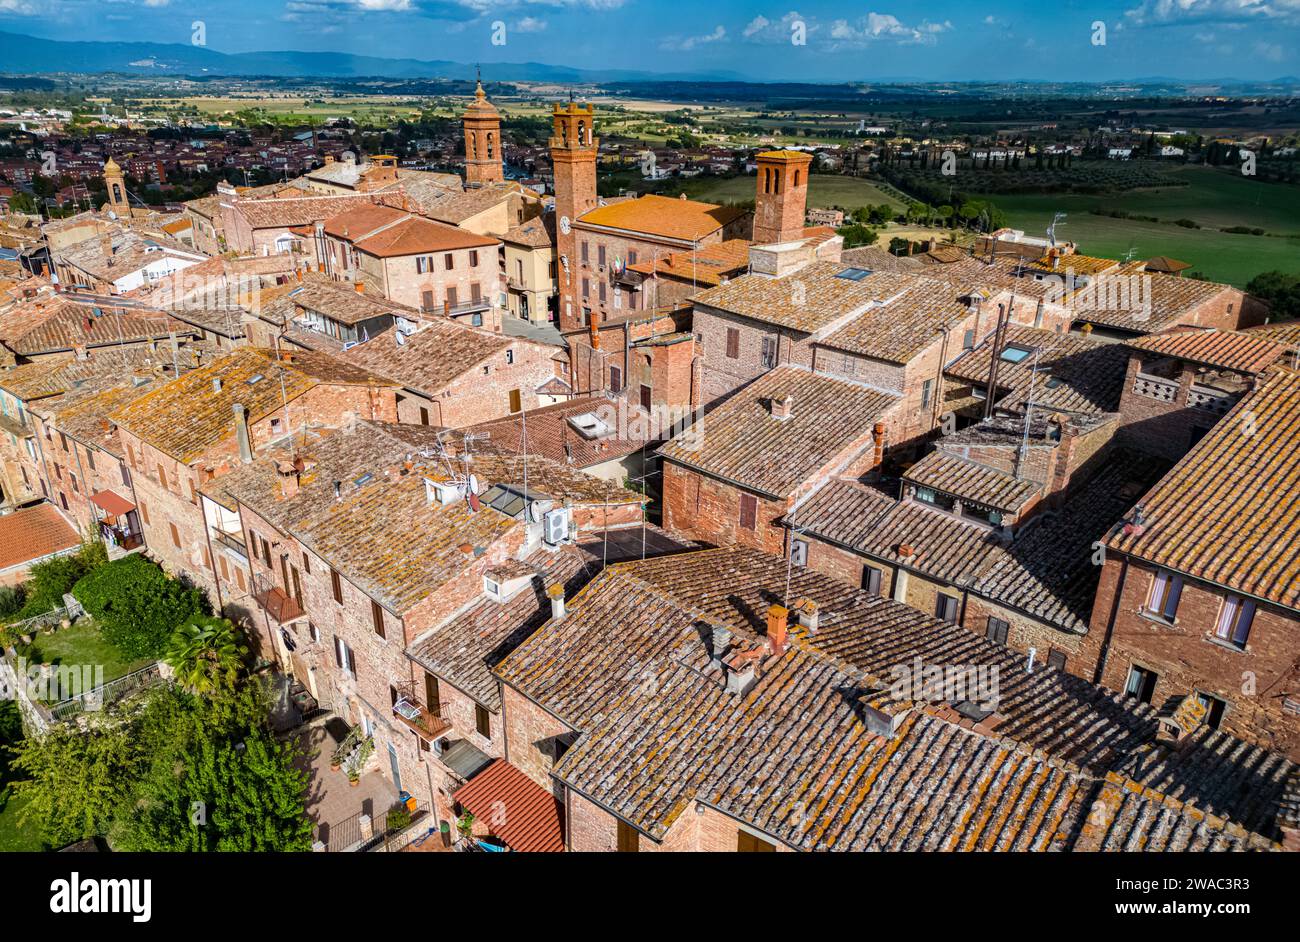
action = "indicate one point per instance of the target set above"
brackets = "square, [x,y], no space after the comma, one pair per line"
[492,588]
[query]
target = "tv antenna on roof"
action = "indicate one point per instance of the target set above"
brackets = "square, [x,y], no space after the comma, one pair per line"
[1051,230]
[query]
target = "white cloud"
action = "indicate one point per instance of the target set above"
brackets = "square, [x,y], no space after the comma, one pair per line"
[530,24]
[884,26]
[762,30]
[679,44]
[1271,52]
[1164,12]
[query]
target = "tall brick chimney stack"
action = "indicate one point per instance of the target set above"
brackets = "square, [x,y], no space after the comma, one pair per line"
[781,196]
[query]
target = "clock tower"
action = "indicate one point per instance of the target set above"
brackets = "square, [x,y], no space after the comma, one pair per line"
[573,158]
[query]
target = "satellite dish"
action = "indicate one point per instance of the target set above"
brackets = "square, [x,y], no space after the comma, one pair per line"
[473,483]
[401,338]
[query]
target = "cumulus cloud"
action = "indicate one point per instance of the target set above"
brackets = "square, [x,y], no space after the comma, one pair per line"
[530,24]
[688,43]
[763,30]
[1165,12]
[884,26]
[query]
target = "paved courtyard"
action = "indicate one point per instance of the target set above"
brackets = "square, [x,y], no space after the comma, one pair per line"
[333,803]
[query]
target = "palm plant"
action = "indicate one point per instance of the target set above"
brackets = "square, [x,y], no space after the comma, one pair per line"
[206,654]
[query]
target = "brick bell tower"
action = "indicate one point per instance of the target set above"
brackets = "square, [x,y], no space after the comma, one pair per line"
[781,197]
[115,183]
[482,124]
[573,157]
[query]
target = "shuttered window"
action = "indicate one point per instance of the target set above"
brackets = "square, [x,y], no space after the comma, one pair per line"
[733,343]
[629,840]
[997,631]
[337,585]
[946,608]
[748,511]
[871,579]
[482,721]
[377,616]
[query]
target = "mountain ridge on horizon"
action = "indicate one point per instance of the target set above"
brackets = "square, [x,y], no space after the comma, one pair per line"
[22,54]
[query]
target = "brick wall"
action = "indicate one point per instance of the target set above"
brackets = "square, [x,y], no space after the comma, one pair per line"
[530,734]
[1186,657]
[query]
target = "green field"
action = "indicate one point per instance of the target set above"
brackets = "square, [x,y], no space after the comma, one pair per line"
[1214,198]
[14,837]
[824,191]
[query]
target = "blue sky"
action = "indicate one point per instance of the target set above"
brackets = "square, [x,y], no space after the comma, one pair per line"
[936,40]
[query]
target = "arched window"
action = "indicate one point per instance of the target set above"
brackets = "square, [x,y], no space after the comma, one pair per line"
[473,145]
[776,181]
[489,145]
[767,180]
[796,178]
[582,132]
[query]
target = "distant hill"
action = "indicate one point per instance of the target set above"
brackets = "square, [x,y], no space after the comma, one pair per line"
[25,54]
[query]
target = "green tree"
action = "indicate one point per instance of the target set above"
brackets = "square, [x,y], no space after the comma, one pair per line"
[137,606]
[218,779]
[1280,290]
[75,781]
[206,653]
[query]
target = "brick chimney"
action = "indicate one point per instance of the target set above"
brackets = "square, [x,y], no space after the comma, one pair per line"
[778,627]
[781,408]
[878,435]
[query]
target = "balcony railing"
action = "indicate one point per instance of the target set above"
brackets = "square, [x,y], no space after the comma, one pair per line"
[1215,401]
[1154,387]
[467,307]
[231,541]
[412,713]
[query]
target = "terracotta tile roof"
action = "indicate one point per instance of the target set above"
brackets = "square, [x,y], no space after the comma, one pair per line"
[1083,375]
[1163,263]
[33,533]
[630,670]
[741,441]
[709,266]
[1228,349]
[902,327]
[536,233]
[464,649]
[868,521]
[452,206]
[62,322]
[359,221]
[1286,333]
[1075,264]
[397,547]
[130,251]
[1228,512]
[295,211]
[387,233]
[1165,302]
[877,259]
[516,809]
[188,416]
[551,435]
[663,216]
[415,235]
[31,381]
[972,482]
[1046,571]
[808,300]
[339,301]
[432,357]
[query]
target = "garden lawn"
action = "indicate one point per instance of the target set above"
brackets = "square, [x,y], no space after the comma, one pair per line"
[12,836]
[81,644]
